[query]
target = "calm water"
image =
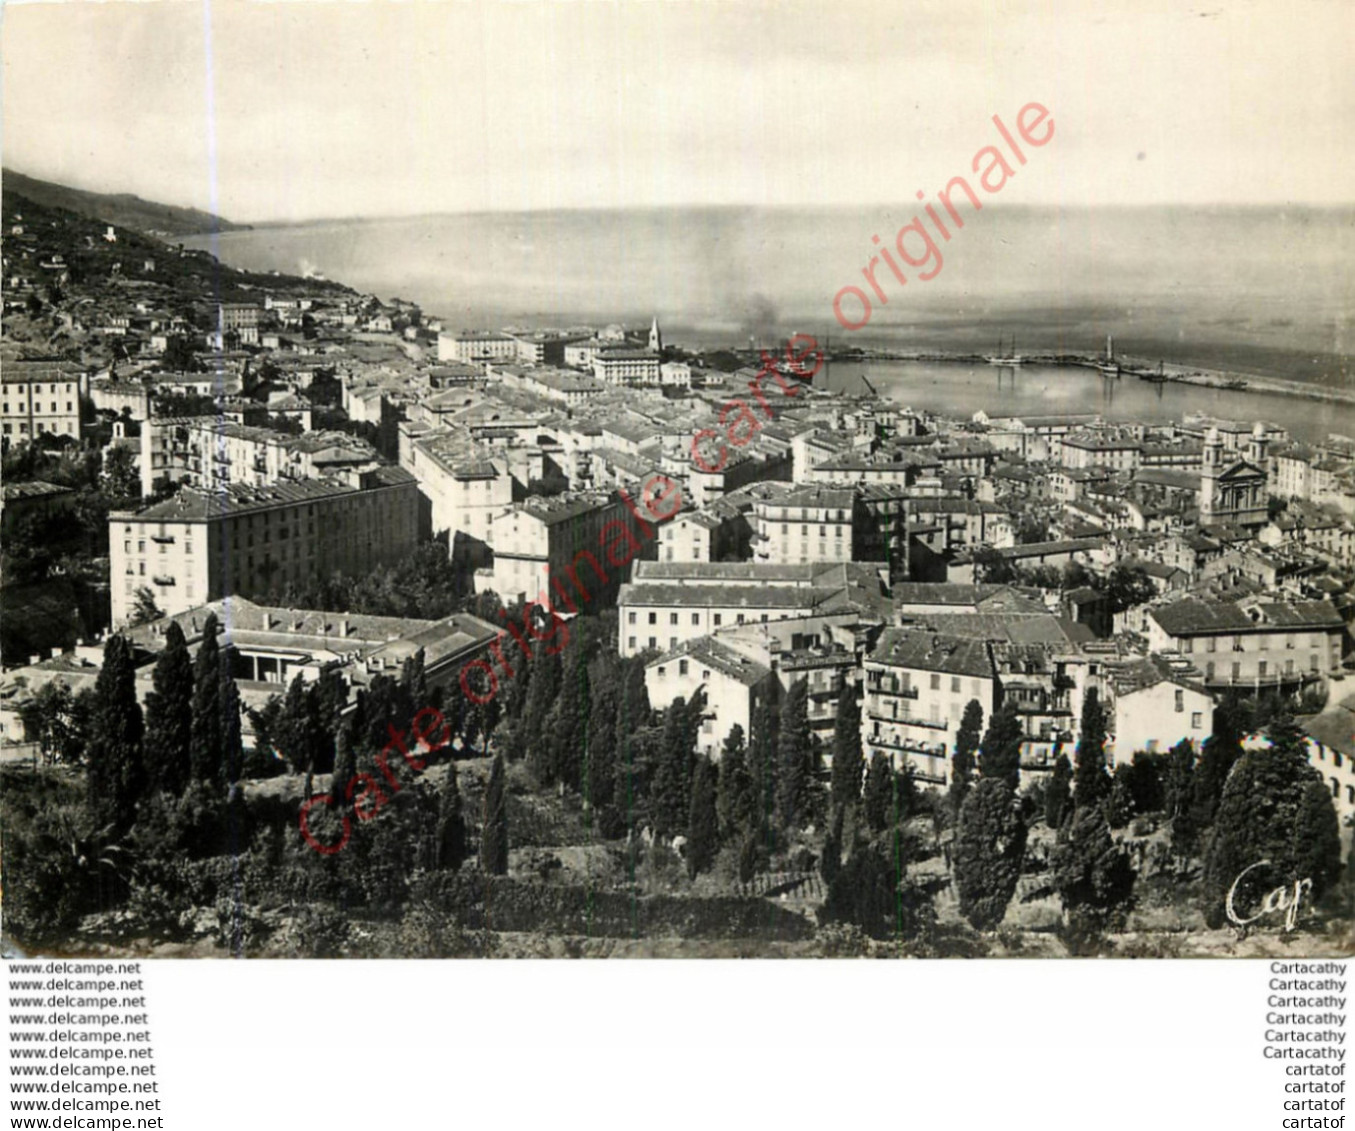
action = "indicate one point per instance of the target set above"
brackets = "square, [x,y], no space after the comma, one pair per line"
[1264,290]
[961,390]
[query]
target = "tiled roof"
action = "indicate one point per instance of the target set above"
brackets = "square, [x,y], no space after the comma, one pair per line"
[719,657]
[200,504]
[929,651]
[943,593]
[43,370]
[724,596]
[1194,617]
[1148,671]
[1334,727]
[36,489]
[562,509]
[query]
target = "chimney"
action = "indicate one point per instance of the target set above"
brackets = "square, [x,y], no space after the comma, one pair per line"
[268,620]
[343,627]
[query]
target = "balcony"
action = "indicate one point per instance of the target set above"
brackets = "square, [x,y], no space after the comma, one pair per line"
[939,724]
[879,688]
[161,579]
[907,720]
[1273,679]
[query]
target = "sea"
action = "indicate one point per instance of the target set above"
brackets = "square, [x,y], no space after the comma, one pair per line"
[1251,290]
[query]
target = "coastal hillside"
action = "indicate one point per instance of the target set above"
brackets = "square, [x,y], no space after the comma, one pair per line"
[121,209]
[64,261]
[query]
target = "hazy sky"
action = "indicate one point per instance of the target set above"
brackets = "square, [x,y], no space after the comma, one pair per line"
[297,109]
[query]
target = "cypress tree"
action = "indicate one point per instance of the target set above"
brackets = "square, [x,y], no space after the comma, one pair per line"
[703,828]
[622,811]
[602,743]
[1146,781]
[1120,803]
[990,845]
[1092,873]
[381,709]
[864,890]
[795,758]
[294,726]
[326,698]
[205,744]
[547,679]
[331,697]
[669,796]
[762,750]
[169,715]
[569,720]
[414,680]
[232,750]
[878,799]
[635,694]
[116,778]
[966,746]
[830,859]
[1268,812]
[735,803]
[345,764]
[1178,798]
[451,830]
[1000,751]
[513,689]
[1317,838]
[1058,796]
[1091,781]
[1220,753]
[494,831]
[849,763]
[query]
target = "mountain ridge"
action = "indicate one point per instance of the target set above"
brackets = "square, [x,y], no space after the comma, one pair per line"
[121,209]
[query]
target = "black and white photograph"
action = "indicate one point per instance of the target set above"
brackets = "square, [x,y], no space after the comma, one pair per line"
[677,479]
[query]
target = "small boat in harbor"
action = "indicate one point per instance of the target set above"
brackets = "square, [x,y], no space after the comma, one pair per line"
[1109,367]
[1013,358]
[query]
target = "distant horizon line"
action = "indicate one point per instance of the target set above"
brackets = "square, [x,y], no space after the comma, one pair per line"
[711,206]
[783,207]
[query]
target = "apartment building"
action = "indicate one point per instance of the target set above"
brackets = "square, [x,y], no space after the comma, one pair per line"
[119,397]
[668,603]
[917,685]
[562,386]
[1331,751]
[1255,644]
[577,550]
[1316,475]
[205,451]
[202,545]
[675,375]
[1157,703]
[466,486]
[734,686]
[476,345]
[239,316]
[1114,451]
[807,524]
[626,367]
[580,354]
[542,348]
[39,398]
[711,535]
